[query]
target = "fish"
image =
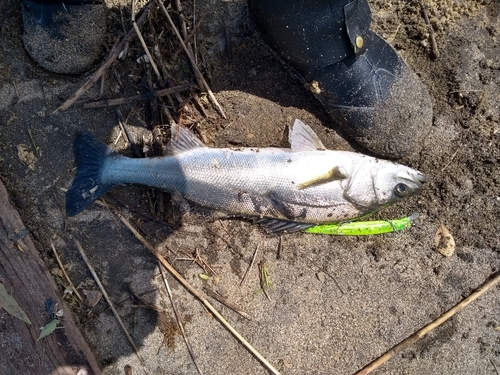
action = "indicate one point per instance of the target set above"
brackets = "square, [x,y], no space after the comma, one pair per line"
[285,189]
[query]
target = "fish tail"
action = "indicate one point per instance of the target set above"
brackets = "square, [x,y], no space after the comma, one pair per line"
[88,185]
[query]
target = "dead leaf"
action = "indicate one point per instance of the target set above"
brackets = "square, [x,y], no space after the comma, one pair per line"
[321,276]
[93,297]
[11,306]
[444,242]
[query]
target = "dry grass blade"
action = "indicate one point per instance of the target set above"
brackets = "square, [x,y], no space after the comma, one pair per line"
[118,202]
[64,271]
[179,321]
[280,248]
[187,39]
[425,330]
[325,271]
[178,5]
[113,54]
[147,96]
[191,60]
[265,282]
[145,47]
[201,262]
[108,300]
[182,23]
[495,366]
[250,265]
[197,294]
[122,123]
[230,305]
[435,49]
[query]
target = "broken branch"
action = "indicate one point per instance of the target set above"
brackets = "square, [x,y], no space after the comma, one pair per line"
[425,330]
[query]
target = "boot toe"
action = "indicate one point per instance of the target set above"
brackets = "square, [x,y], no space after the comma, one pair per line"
[369,91]
[377,100]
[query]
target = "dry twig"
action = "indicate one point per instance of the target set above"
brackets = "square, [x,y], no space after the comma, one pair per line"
[326,273]
[179,321]
[223,300]
[147,96]
[191,60]
[64,271]
[187,39]
[280,248]
[425,330]
[124,128]
[434,47]
[495,366]
[250,265]
[63,211]
[178,5]
[200,262]
[117,201]
[146,49]
[108,300]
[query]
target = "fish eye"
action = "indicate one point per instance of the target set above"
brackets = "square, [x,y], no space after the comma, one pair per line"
[401,190]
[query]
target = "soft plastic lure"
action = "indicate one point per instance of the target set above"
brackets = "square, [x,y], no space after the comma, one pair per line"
[364,228]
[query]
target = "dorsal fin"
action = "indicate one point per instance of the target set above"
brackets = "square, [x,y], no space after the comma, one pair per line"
[303,138]
[182,140]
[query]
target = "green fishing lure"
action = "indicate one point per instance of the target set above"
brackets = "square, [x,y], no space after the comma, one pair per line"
[364,228]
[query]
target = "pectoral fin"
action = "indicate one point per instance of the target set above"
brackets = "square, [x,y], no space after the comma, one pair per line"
[333,174]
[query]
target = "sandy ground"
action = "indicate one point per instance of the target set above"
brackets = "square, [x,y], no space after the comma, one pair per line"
[337,303]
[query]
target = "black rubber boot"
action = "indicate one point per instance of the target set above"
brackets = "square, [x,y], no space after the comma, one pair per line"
[64,37]
[363,83]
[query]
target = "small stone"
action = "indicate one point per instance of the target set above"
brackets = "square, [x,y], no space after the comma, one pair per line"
[321,276]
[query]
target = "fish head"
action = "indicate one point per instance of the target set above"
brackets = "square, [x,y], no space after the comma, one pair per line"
[376,183]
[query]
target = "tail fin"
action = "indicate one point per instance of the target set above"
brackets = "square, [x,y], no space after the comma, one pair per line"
[90,156]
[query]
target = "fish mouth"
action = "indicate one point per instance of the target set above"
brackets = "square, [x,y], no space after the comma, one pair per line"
[415,180]
[421,178]
[418,180]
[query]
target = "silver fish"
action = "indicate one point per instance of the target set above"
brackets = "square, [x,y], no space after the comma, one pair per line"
[291,188]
